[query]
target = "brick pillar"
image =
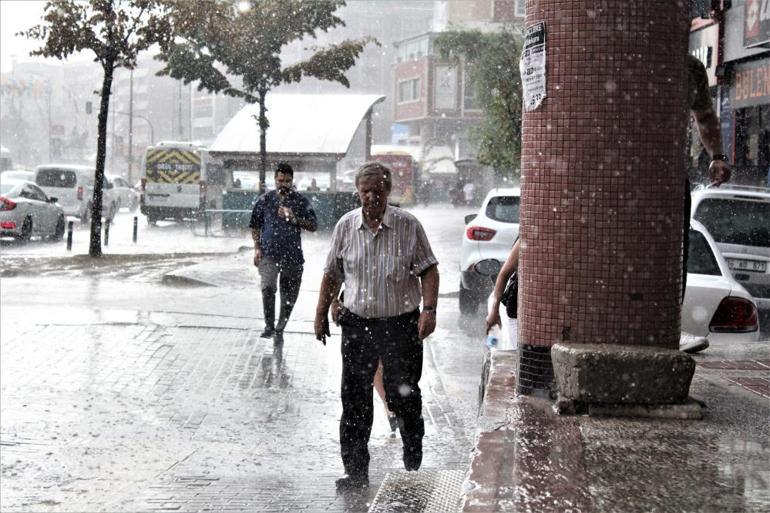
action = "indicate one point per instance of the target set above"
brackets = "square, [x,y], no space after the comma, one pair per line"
[603,177]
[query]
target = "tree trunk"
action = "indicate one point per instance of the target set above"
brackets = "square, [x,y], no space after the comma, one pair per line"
[95,247]
[263,124]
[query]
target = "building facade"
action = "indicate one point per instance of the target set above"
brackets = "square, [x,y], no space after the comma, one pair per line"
[435,104]
[732,39]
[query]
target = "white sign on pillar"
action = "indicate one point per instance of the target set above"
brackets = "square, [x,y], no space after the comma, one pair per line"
[532,66]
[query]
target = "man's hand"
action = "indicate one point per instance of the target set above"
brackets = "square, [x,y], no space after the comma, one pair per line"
[336,307]
[426,324]
[321,327]
[257,256]
[287,214]
[719,172]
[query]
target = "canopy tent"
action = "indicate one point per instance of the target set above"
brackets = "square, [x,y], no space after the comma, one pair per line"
[300,124]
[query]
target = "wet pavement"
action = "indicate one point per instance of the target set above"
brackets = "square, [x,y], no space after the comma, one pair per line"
[139,383]
[528,458]
[124,390]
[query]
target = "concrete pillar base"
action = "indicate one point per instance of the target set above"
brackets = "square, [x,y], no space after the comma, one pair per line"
[620,378]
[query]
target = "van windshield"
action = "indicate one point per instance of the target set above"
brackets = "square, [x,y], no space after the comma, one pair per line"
[736,221]
[56,178]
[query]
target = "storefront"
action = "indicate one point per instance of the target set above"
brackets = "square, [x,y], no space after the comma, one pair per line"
[745,93]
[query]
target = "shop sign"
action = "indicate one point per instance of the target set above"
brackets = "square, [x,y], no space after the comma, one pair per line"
[704,46]
[752,84]
[756,28]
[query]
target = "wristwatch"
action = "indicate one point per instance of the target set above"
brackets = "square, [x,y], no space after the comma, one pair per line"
[429,308]
[719,156]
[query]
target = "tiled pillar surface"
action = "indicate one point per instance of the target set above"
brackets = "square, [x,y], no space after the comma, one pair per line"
[603,177]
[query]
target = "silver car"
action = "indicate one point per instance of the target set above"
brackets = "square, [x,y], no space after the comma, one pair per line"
[26,211]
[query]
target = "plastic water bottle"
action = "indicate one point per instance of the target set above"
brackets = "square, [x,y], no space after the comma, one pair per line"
[493,337]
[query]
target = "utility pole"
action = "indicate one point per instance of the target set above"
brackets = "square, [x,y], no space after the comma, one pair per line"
[179,112]
[131,126]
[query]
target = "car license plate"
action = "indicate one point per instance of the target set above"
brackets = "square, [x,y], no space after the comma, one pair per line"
[739,264]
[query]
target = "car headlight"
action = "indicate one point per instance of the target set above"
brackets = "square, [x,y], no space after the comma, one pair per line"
[488,267]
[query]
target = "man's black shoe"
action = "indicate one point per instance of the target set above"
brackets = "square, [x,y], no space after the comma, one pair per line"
[413,454]
[348,483]
[268,332]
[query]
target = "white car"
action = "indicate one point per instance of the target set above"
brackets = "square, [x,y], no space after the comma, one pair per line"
[74,186]
[26,211]
[489,236]
[716,306]
[738,217]
[125,195]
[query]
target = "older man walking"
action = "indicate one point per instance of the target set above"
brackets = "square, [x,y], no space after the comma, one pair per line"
[384,259]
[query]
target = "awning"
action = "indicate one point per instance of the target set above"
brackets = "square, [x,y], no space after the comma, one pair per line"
[313,124]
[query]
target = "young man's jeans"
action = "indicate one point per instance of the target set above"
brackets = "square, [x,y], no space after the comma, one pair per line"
[394,340]
[289,277]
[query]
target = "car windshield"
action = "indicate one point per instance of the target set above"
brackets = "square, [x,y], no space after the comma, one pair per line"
[700,259]
[9,189]
[504,209]
[56,178]
[736,221]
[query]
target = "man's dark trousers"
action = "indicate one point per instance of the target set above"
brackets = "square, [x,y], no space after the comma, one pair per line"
[395,341]
[289,276]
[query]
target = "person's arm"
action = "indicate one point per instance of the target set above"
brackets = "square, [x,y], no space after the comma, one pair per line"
[429,280]
[710,134]
[255,236]
[509,267]
[329,290]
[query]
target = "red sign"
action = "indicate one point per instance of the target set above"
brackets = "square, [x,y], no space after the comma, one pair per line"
[752,84]
[756,29]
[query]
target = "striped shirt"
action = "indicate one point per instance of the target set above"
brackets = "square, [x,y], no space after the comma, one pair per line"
[380,270]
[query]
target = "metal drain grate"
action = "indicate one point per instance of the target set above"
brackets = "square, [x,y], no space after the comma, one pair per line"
[428,491]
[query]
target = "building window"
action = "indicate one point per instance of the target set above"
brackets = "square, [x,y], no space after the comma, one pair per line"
[414,50]
[409,90]
[470,95]
[446,88]
[521,8]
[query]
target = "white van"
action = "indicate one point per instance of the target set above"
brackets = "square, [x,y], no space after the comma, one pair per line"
[180,181]
[74,188]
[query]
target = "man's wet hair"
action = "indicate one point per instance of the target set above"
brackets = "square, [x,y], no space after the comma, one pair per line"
[285,168]
[375,169]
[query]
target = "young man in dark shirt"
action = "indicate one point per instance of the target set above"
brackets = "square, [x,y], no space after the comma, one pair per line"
[277,221]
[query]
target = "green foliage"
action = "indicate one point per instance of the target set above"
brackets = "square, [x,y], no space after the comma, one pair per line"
[491,61]
[218,40]
[116,31]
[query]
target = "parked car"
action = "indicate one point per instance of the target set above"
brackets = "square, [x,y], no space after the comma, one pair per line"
[125,195]
[486,243]
[738,218]
[26,211]
[73,186]
[716,306]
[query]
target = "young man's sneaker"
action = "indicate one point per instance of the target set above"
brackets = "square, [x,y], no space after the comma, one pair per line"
[351,482]
[692,344]
[268,332]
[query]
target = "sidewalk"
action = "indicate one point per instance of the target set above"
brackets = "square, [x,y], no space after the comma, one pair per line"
[527,458]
